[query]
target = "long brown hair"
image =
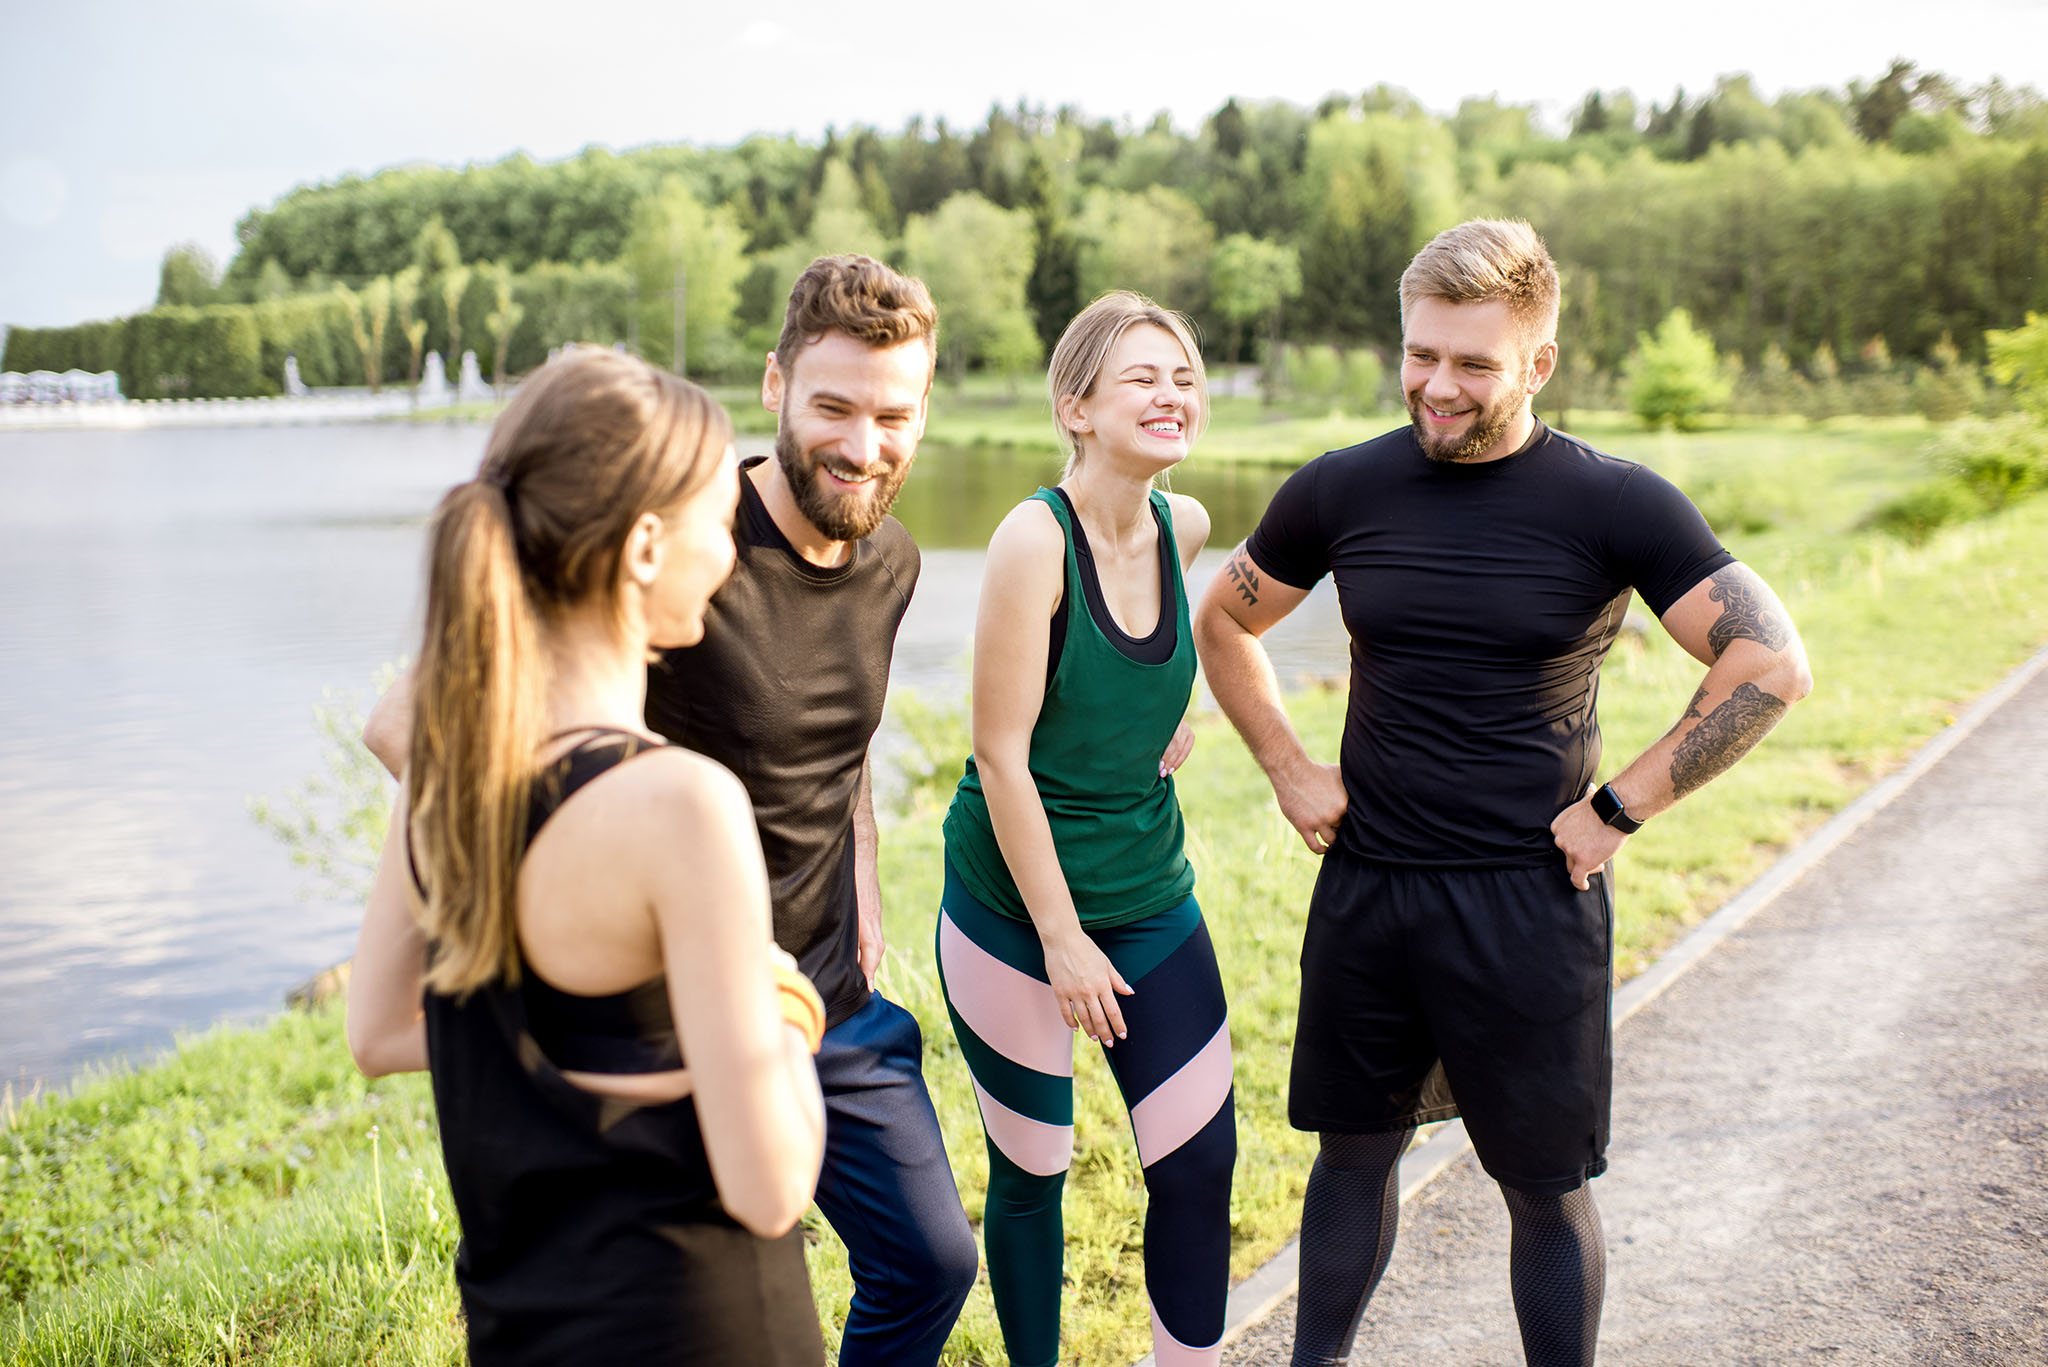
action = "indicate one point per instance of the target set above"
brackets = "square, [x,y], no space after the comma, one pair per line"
[591,442]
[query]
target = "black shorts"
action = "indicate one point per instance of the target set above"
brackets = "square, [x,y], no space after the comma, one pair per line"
[1504,977]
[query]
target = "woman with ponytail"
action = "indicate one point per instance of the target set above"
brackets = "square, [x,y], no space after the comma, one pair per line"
[569,925]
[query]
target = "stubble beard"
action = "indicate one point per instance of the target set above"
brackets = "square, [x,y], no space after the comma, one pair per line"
[840,516]
[1488,427]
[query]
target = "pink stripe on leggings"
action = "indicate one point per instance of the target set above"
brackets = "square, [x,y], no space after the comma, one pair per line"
[1169,1351]
[1040,1149]
[1178,1108]
[1011,1012]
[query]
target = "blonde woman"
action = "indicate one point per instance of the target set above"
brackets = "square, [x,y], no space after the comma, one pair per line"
[1068,900]
[569,926]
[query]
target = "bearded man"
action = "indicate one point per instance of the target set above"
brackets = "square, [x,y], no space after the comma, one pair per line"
[786,690]
[1459,950]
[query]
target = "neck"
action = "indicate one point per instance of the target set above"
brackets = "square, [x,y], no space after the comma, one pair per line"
[1111,501]
[801,533]
[595,678]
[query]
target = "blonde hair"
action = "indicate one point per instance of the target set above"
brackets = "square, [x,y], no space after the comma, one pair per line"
[1084,348]
[1483,259]
[591,442]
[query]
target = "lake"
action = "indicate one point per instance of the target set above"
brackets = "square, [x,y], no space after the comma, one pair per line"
[176,602]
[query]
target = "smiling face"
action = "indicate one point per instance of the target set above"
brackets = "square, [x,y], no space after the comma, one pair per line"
[1468,373]
[1145,404]
[695,556]
[849,417]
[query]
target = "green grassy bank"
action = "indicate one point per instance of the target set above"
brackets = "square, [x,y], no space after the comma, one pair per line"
[252,1200]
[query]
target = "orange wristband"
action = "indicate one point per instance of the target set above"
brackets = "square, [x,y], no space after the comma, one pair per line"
[800,1003]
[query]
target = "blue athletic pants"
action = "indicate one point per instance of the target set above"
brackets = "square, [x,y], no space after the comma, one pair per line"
[887,1189]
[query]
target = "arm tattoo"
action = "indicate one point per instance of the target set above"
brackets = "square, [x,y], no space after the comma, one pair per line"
[1692,709]
[1244,575]
[1748,614]
[1723,736]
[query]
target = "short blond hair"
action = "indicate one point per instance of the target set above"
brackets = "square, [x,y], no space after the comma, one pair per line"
[1484,259]
[1083,350]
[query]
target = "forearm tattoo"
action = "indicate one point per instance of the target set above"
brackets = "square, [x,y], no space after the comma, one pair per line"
[1244,575]
[1747,614]
[1723,736]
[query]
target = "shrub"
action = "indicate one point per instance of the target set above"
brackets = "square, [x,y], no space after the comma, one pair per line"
[1675,375]
[937,738]
[1363,375]
[1734,508]
[1920,512]
[1997,461]
[1318,372]
[1772,386]
[1946,389]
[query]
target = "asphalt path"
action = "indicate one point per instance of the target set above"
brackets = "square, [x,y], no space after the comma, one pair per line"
[1830,1137]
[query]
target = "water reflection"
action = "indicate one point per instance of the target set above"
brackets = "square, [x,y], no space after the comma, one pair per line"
[173,603]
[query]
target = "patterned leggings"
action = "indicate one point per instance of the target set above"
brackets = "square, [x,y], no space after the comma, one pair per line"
[1174,1072]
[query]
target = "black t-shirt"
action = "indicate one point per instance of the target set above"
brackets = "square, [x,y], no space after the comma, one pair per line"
[1480,600]
[786,690]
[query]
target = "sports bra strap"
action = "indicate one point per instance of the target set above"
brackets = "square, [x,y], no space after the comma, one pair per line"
[556,781]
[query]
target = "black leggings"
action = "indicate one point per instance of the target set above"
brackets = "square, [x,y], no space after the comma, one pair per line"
[1556,1259]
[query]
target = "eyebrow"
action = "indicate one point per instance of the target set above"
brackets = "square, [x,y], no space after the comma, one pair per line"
[1464,357]
[834,396]
[1181,369]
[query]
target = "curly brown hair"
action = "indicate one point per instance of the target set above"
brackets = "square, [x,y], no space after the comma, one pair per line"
[861,297]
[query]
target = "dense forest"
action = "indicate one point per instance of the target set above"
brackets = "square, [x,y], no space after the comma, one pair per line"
[1883,227]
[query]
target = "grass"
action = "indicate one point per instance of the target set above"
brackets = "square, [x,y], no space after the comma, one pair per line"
[230,1204]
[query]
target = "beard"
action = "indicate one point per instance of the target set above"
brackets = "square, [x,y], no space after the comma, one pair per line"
[1488,426]
[843,515]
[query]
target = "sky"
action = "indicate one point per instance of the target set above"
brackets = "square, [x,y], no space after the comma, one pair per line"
[129,127]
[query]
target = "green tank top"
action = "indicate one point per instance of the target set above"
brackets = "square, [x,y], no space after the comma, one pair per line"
[1095,750]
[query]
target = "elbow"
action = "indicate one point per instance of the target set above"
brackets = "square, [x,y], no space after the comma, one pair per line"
[773,1208]
[383,738]
[372,1061]
[1794,675]
[380,1052]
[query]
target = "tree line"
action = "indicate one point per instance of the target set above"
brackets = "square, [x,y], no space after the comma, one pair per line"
[1898,218]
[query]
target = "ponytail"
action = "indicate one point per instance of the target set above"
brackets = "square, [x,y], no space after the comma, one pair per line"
[590,442]
[478,719]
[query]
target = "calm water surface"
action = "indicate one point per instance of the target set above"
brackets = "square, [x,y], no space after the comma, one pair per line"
[173,604]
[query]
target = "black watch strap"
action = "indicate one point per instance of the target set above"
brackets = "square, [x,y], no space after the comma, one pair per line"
[1607,806]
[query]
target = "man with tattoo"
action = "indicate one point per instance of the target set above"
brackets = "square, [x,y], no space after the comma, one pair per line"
[1458,956]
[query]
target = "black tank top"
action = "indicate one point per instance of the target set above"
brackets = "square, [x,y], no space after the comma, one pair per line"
[591,1229]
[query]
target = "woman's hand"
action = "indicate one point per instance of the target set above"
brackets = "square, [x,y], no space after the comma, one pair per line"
[1086,985]
[1177,750]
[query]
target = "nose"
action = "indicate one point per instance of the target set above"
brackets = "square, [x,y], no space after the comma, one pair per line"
[1441,382]
[862,445]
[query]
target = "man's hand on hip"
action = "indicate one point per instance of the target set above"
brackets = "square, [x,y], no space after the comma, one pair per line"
[1313,800]
[1587,841]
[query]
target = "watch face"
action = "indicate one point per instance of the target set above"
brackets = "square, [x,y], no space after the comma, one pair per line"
[1607,806]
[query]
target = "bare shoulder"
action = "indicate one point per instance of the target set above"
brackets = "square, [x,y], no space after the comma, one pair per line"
[1190,525]
[1028,530]
[1027,555]
[675,784]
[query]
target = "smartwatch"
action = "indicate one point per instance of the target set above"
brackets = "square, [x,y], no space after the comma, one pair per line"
[1607,806]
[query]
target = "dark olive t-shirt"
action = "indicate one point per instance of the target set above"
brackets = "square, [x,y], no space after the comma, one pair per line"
[786,690]
[1480,600]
